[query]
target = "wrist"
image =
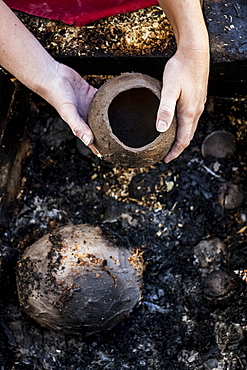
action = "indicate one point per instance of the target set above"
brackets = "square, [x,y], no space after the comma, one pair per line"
[193,38]
[41,84]
[187,20]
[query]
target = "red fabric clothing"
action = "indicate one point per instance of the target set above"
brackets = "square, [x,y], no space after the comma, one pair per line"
[78,12]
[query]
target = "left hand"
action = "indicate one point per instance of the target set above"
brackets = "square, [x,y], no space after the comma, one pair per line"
[71,96]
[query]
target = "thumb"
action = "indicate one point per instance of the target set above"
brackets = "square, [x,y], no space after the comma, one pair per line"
[167,108]
[79,128]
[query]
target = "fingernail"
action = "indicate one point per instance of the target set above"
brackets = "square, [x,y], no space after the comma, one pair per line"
[95,151]
[162,126]
[86,139]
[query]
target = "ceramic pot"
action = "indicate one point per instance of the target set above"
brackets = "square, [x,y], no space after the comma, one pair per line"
[122,116]
[77,280]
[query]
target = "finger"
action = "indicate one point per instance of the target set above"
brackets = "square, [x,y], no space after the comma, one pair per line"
[86,95]
[78,126]
[185,132]
[169,96]
[187,117]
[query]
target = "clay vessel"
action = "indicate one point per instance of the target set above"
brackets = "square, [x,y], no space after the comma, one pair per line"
[77,280]
[122,116]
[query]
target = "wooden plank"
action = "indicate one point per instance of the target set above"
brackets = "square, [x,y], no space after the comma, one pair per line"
[143,41]
[140,41]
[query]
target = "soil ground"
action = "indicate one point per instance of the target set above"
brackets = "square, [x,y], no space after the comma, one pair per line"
[166,215]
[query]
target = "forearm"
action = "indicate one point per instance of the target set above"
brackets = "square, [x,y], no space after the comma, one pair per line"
[185,76]
[21,54]
[188,23]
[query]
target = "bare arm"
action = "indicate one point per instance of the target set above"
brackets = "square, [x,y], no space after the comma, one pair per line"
[24,57]
[186,73]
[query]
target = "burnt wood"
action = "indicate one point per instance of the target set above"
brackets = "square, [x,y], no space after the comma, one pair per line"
[226,23]
[16,114]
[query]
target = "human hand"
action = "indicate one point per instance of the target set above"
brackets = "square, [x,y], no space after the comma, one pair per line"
[184,94]
[23,56]
[71,96]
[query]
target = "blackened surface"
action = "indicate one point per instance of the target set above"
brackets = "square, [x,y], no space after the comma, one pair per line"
[16,114]
[175,327]
[226,23]
[15,103]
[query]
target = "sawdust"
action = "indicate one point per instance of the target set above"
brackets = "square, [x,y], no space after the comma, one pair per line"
[141,32]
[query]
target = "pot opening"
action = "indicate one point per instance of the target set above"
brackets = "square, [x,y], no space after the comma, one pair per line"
[132,117]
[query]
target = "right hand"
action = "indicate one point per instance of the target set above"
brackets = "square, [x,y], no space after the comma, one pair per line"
[184,94]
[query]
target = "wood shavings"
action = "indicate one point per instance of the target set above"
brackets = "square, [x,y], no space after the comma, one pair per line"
[242,230]
[117,186]
[94,176]
[140,32]
[137,261]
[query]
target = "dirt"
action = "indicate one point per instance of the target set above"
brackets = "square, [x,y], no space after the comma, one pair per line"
[164,210]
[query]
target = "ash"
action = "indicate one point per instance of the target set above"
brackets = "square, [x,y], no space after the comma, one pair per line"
[180,222]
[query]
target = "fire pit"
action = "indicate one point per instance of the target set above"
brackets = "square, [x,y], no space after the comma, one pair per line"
[165,211]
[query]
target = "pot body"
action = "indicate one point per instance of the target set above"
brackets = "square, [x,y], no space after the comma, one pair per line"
[122,116]
[75,280]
